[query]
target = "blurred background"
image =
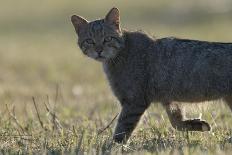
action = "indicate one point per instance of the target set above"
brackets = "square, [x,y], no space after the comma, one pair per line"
[39,55]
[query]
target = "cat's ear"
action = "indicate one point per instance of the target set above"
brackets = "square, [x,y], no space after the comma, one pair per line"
[78,22]
[113,18]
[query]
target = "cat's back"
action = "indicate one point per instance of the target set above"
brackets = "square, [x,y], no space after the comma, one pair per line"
[190,68]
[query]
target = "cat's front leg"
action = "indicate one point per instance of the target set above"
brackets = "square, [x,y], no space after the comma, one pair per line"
[128,119]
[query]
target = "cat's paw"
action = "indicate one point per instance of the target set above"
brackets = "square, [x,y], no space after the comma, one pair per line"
[196,125]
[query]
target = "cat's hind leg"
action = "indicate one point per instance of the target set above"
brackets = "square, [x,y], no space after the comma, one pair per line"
[178,121]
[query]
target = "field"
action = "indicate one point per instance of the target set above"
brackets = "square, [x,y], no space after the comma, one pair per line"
[54,100]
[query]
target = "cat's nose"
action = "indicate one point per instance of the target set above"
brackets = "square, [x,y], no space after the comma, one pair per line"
[99,50]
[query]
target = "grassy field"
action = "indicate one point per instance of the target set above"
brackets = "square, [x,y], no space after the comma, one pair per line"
[56,101]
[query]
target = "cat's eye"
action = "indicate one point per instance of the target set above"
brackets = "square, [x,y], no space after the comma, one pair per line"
[108,39]
[89,41]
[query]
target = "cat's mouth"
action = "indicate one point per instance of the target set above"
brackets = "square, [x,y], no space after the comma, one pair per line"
[100,57]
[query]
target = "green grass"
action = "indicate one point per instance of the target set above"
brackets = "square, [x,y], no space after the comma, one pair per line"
[39,58]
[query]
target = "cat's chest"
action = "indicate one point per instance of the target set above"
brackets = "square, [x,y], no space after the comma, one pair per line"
[122,81]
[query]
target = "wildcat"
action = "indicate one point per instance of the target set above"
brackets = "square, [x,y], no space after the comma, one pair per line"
[141,70]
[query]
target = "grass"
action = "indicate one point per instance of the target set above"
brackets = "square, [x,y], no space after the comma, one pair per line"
[72,101]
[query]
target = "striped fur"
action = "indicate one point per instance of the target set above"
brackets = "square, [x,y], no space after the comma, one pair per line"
[142,70]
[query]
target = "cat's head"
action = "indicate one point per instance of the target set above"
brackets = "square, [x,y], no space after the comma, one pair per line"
[100,39]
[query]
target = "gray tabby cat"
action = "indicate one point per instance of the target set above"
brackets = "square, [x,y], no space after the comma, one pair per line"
[142,70]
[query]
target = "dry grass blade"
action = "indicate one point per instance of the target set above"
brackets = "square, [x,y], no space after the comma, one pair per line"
[57,95]
[102,130]
[37,112]
[55,120]
[78,149]
[12,115]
